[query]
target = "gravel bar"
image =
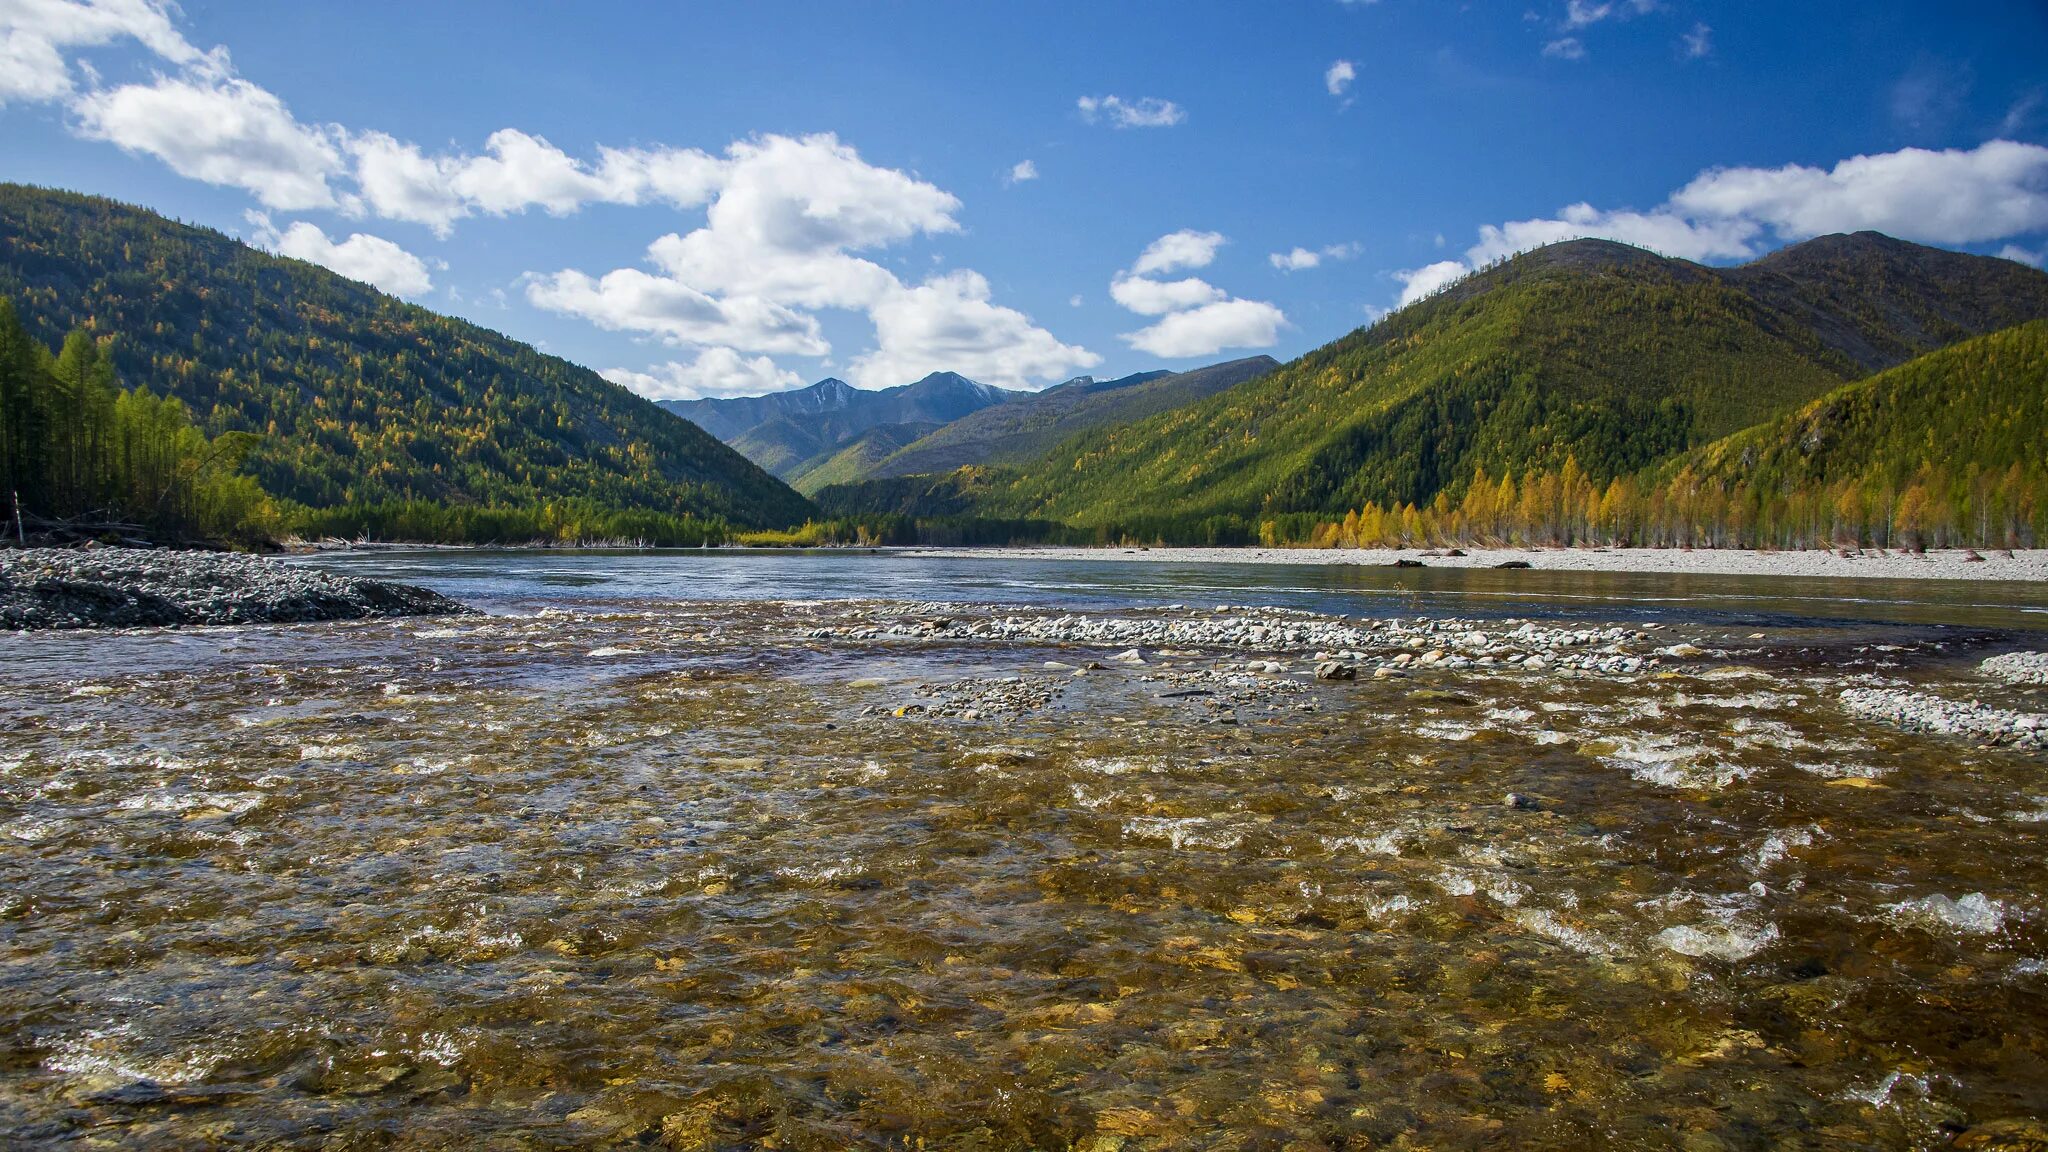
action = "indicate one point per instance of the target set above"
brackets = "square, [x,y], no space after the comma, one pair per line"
[142,588]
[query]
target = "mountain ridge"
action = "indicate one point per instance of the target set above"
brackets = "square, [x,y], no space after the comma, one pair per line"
[358,397]
[1587,350]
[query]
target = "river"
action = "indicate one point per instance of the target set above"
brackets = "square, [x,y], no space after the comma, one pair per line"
[728,850]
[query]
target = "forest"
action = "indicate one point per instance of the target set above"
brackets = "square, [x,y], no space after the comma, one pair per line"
[81,455]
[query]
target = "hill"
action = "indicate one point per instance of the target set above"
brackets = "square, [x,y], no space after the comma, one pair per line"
[358,398]
[783,431]
[1030,426]
[1953,445]
[1589,352]
[860,456]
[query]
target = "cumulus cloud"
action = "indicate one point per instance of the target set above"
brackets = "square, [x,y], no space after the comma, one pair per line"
[1427,280]
[1338,77]
[215,127]
[1955,196]
[785,221]
[2036,257]
[36,35]
[1157,298]
[1197,318]
[630,300]
[1301,259]
[1995,191]
[1020,172]
[1145,112]
[371,259]
[517,171]
[1565,48]
[1211,328]
[948,323]
[714,372]
[1186,248]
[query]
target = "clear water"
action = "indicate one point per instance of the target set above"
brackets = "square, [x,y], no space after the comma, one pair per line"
[706,851]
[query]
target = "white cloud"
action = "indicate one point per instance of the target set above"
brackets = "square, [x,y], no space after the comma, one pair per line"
[629,300]
[1186,248]
[1567,48]
[1146,112]
[36,35]
[1338,77]
[1417,283]
[519,171]
[214,127]
[1699,42]
[1995,191]
[1197,318]
[785,220]
[370,259]
[1020,172]
[948,324]
[2037,257]
[1300,259]
[1157,298]
[715,372]
[1211,328]
[1583,13]
[1662,231]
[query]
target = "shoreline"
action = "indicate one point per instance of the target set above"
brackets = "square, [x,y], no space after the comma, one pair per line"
[2023,565]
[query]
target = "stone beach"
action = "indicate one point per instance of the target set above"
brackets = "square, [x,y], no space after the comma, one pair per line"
[139,588]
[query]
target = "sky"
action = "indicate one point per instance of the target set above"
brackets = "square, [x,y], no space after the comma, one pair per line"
[703,199]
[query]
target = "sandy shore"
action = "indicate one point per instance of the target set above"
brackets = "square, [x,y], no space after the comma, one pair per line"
[2025,564]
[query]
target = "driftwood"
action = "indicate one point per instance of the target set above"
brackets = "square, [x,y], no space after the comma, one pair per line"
[32,531]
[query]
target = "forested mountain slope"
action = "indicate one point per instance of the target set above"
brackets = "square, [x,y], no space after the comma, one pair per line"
[358,398]
[1967,422]
[1588,351]
[1029,427]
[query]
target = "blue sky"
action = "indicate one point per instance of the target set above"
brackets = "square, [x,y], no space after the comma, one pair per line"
[731,198]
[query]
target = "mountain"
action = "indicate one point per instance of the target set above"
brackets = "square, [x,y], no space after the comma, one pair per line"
[1589,351]
[783,430]
[1978,409]
[858,458]
[359,398]
[1029,427]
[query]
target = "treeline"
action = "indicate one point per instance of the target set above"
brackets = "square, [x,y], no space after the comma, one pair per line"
[1935,508]
[78,452]
[564,522]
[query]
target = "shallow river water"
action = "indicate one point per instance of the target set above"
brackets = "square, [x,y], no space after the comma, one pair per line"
[819,852]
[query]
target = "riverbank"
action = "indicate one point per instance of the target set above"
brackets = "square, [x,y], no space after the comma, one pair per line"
[141,588]
[1947,564]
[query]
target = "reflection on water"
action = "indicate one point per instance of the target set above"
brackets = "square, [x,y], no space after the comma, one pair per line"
[634,871]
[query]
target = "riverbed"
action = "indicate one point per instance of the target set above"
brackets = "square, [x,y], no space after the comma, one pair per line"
[738,850]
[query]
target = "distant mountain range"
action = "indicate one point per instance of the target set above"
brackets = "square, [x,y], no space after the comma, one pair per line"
[1596,352]
[832,433]
[783,431]
[359,398]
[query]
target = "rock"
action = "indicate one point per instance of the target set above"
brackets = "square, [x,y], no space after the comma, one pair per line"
[1682,651]
[1514,564]
[1432,656]
[1535,664]
[1336,670]
[1406,563]
[1521,803]
[1128,656]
